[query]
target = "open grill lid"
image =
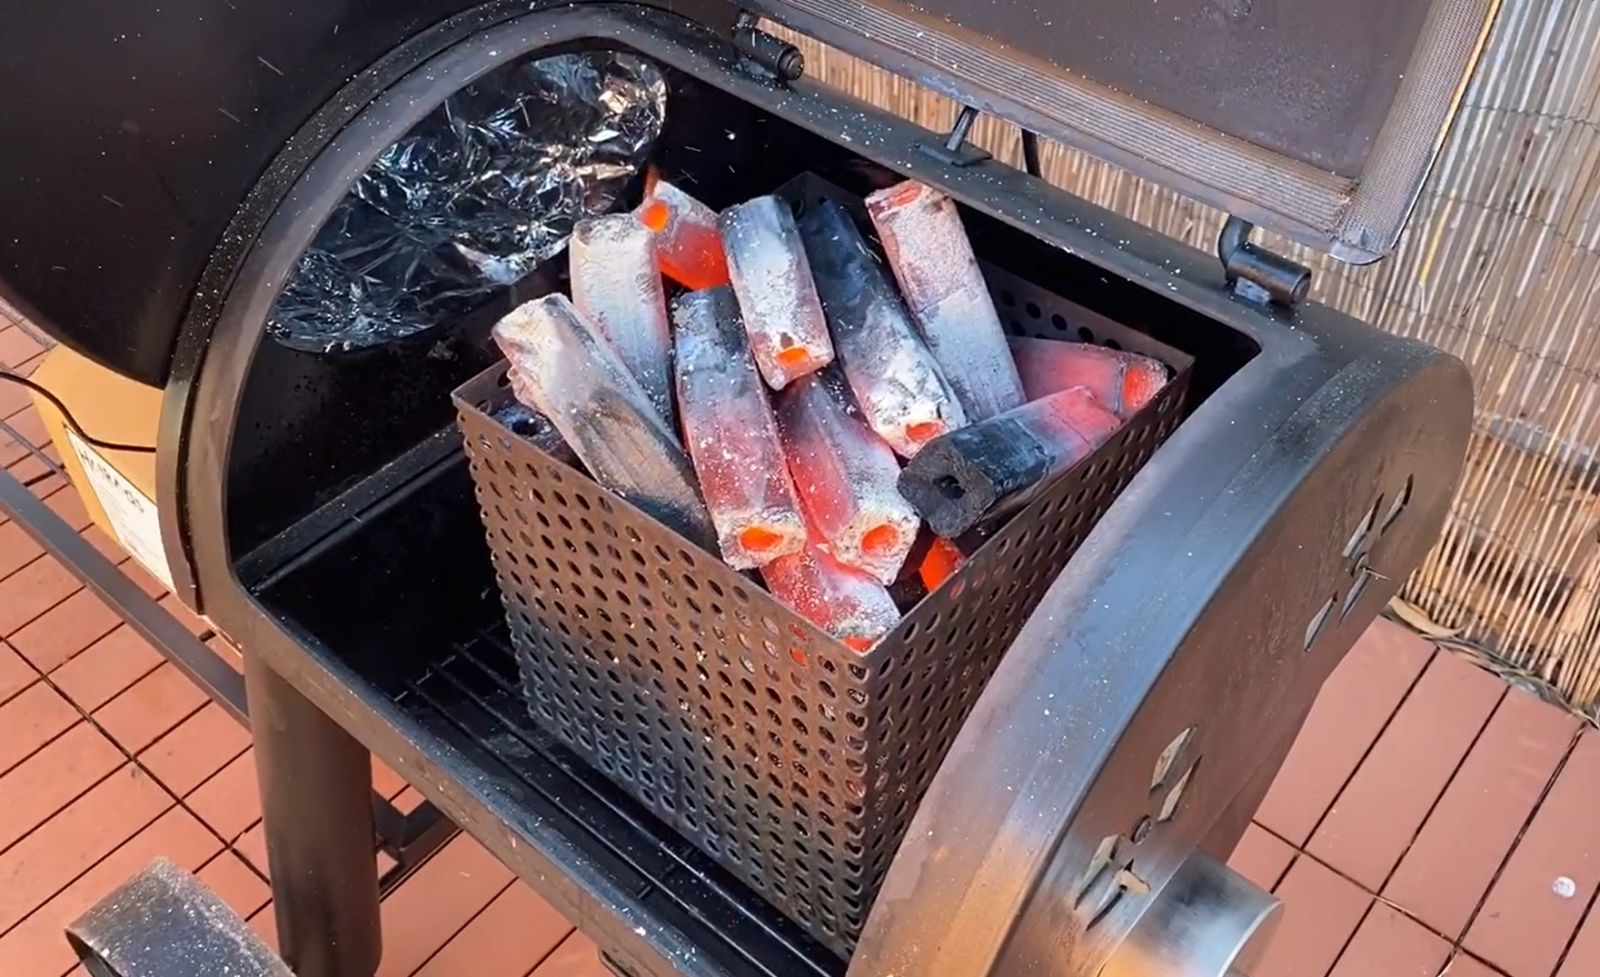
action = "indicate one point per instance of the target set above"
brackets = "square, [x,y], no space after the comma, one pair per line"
[1316,119]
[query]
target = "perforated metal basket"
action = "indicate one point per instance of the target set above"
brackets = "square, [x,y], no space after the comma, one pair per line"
[793,761]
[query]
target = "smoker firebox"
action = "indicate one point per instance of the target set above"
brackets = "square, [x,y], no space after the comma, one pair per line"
[328,515]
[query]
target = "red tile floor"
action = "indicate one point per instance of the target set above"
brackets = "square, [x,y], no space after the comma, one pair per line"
[1429,820]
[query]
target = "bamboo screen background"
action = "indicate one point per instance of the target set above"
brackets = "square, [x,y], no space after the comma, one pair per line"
[1500,265]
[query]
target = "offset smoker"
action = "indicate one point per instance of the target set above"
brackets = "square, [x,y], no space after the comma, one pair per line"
[318,508]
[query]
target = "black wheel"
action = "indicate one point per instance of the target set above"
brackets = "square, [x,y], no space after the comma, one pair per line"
[164,923]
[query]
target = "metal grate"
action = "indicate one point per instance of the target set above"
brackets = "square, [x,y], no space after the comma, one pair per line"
[472,699]
[791,760]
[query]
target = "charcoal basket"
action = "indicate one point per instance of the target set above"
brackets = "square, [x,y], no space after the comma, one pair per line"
[791,760]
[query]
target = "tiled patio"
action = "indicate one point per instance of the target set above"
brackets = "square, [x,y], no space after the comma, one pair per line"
[1429,820]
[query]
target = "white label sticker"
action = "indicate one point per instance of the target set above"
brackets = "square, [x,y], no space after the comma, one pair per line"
[132,514]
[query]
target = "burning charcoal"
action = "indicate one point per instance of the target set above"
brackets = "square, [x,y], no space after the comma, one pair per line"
[940,563]
[687,243]
[840,600]
[932,561]
[933,261]
[992,467]
[893,375]
[616,285]
[561,367]
[772,277]
[846,477]
[1122,381]
[731,433]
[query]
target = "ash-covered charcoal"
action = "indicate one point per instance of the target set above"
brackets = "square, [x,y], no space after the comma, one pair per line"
[473,198]
[688,244]
[894,377]
[563,368]
[846,476]
[840,600]
[770,274]
[994,466]
[1122,381]
[939,276]
[534,427]
[616,285]
[731,433]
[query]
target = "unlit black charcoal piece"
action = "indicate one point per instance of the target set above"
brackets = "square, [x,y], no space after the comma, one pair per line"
[992,467]
[525,422]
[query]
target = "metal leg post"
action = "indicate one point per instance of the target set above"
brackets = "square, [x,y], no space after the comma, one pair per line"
[316,803]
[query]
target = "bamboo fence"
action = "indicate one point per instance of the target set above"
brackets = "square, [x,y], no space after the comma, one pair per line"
[1500,266]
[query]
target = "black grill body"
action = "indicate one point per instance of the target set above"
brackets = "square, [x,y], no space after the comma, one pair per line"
[323,513]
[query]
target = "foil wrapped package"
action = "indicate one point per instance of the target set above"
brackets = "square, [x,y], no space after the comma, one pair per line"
[473,198]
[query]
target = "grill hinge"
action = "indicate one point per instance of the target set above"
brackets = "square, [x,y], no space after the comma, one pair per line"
[769,55]
[955,149]
[1254,272]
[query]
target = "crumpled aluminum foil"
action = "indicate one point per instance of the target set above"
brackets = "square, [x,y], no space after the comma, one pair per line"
[473,198]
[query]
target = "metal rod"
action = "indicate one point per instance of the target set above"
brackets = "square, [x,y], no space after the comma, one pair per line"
[150,620]
[1030,154]
[409,839]
[416,837]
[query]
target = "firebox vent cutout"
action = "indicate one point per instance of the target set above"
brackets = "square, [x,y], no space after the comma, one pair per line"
[1112,874]
[1369,530]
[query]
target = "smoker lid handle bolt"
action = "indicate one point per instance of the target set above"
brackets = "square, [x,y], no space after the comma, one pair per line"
[785,61]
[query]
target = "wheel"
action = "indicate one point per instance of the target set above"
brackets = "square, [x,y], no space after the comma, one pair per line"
[164,923]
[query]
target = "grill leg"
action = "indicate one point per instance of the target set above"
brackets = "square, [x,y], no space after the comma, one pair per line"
[316,804]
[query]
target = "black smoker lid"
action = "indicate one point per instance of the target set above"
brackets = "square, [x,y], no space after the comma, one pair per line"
[1316,118]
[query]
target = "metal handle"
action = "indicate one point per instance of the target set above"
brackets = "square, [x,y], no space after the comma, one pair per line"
[1256,273]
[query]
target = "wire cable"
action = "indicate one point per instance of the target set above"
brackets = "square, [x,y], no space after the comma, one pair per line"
[66,415]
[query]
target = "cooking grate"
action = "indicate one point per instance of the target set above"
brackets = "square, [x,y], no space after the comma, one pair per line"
[472,699]
[791,760]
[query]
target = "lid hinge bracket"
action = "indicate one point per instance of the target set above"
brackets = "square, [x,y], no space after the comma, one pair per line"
[955,149]
[1030,154]
[1254,272]
[766,53]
